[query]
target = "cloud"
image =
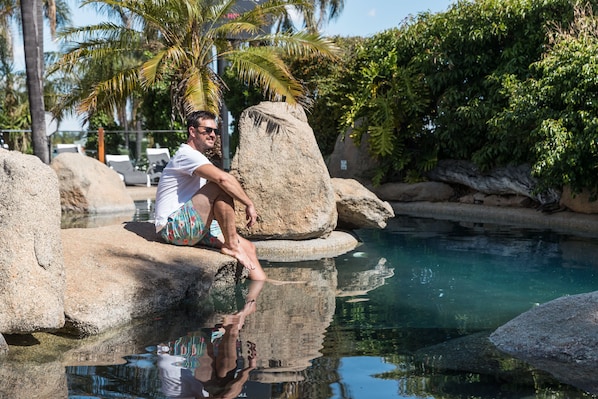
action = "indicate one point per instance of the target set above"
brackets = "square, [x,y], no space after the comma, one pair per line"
[372,12]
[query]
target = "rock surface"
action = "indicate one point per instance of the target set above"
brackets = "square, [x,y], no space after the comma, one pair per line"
[280,167]
[560,337]
[117,273]
[565,222]
[581,203]
[32,275]
[350,160]
[415,192]
[89,186]
[121,272]
[504,180]
[358,207]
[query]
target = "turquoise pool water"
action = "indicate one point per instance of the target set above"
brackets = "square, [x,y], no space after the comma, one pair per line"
[405,315]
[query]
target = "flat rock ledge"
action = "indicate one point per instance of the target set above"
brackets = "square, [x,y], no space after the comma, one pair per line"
[119,273]
[566,221]
[559,337]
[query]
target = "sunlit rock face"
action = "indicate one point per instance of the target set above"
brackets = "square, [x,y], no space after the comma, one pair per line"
[32,277]
[282,170]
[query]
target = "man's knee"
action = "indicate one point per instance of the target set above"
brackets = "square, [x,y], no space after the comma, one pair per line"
[214,192]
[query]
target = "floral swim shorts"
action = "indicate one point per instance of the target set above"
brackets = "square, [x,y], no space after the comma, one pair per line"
[185,227]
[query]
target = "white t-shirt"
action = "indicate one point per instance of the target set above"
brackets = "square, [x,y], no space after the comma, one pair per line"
[177,183]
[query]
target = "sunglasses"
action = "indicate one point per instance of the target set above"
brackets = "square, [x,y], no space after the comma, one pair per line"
[209,130]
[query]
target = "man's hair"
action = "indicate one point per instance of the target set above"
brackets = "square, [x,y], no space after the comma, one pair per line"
[194,117]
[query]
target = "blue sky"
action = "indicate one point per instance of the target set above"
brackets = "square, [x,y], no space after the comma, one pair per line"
[359,18]
[367,17]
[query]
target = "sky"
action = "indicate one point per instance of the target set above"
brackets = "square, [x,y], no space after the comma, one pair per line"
[359,18]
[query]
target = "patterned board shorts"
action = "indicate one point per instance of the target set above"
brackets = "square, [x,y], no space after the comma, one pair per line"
[185,227]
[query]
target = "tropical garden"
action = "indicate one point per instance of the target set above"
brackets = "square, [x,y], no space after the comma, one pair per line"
[495,82]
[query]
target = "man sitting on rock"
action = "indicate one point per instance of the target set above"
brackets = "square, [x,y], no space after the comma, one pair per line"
[194,199]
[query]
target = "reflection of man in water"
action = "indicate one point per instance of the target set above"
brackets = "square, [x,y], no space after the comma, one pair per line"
[210,365]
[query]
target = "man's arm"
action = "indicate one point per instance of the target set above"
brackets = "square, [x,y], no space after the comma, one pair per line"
[231,186]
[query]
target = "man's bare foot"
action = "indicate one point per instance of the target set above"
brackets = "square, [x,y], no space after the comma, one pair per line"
[255,270]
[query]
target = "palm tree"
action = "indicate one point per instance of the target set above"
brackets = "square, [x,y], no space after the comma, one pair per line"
[33,42]
[32,13]
[315,14]
[178,42]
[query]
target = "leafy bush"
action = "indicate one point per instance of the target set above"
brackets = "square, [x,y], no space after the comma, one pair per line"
[554,115]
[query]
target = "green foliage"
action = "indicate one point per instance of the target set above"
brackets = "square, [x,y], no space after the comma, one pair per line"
[558,109]
[389,107]
[329,83]
[177,42]
[158,115]
[459,85]
[467,52]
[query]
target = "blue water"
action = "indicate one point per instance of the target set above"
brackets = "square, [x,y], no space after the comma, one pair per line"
[375,322]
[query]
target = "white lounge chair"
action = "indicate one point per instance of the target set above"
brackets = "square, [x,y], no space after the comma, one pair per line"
[60,148]
[157,159]
[124,167]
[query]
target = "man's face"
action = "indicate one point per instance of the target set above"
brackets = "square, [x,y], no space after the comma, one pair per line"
[203,137]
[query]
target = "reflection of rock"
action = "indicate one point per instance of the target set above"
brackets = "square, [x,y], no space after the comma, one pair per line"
[361,282]
[37,364]
[288,331]
[32,380]
[289,326]
[474,354]
[72,220]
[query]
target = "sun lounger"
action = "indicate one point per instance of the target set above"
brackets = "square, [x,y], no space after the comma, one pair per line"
[60,148]
[157,159]
[124,167]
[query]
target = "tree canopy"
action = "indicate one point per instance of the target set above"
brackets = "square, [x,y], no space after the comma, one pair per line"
[177,43]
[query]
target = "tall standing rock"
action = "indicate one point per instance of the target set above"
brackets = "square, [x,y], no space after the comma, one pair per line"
[280,166]
[32,277]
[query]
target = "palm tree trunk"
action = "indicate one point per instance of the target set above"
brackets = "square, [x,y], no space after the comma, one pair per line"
[33,40]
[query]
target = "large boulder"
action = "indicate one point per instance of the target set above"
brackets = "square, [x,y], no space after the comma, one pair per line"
[579,202]
[121,272]
[281,169]
[351,160]
[560,337]
[358,207]
[89,186]
[506,180]
[32,276]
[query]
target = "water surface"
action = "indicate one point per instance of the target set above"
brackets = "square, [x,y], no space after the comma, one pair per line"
[405,315]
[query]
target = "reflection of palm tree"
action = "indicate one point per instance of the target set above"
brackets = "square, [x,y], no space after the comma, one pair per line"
[176,44]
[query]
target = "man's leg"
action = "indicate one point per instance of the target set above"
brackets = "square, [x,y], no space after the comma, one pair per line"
[211,202]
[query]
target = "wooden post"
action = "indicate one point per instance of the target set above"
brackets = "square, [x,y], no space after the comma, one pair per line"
[101,145]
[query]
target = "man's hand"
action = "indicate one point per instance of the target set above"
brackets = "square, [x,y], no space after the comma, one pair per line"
[250,215]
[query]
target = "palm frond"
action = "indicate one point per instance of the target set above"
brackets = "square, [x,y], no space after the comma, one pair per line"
[302,44]
[109,93]
[202,91]
[263,67]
